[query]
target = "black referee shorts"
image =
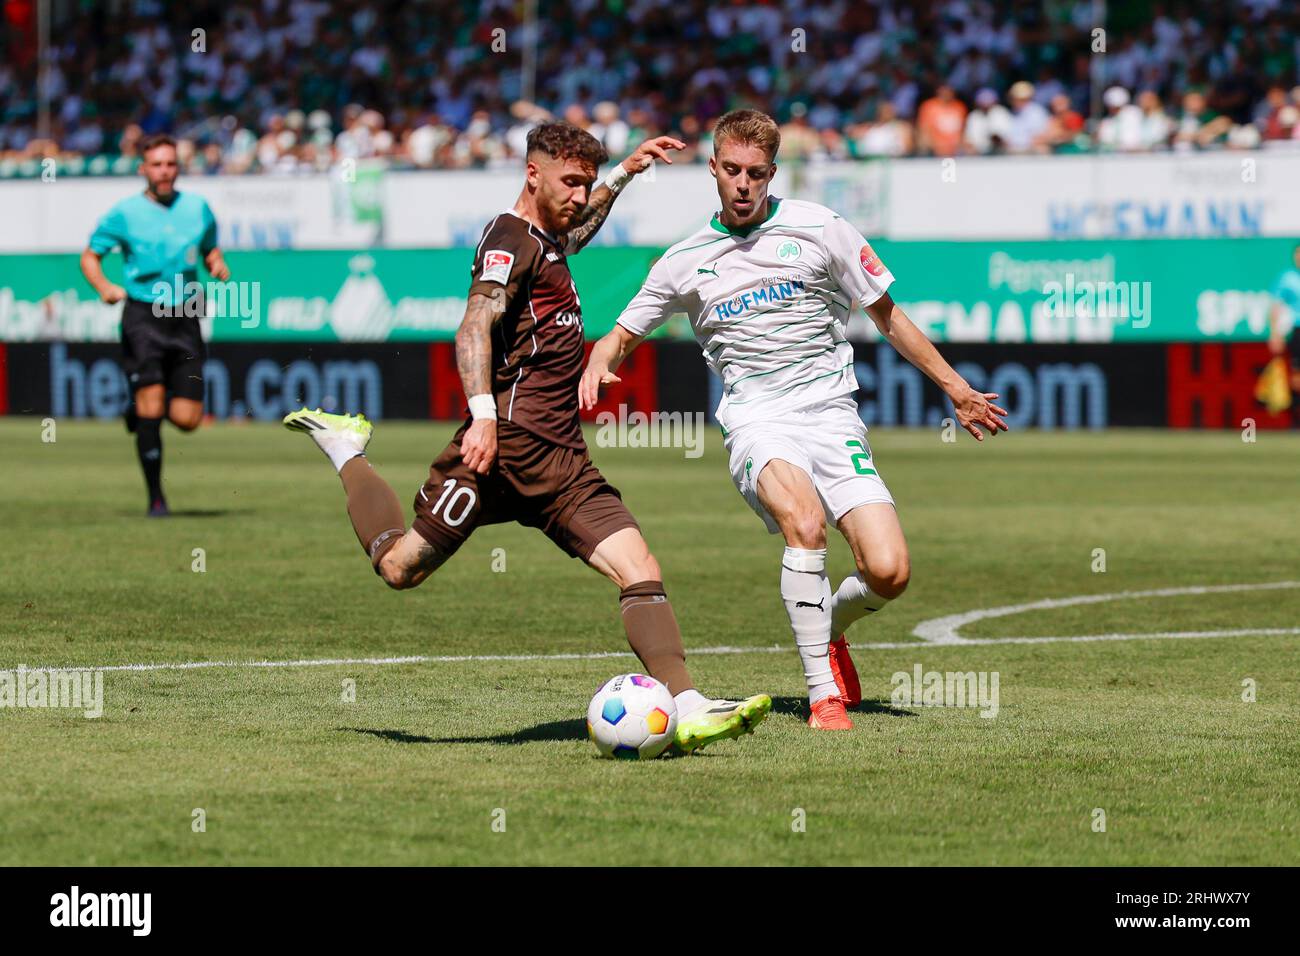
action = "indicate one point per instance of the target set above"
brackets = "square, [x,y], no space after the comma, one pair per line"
[162,350]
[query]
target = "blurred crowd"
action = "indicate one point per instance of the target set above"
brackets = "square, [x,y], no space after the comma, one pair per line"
[287,86]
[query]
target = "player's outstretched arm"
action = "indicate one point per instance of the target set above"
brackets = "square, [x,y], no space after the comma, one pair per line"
[606,355]
[597,209]
[474,362]
[974,409]
[92,267]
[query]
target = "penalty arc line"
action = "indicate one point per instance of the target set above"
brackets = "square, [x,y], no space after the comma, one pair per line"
[943,630]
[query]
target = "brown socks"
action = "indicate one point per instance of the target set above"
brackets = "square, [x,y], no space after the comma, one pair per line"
[653,633]
[373,507]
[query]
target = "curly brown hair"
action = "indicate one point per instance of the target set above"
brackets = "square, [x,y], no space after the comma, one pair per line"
[562,140]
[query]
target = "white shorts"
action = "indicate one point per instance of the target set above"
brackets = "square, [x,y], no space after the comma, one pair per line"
[827,440]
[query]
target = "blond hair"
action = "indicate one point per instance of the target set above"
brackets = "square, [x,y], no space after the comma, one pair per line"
[750,128]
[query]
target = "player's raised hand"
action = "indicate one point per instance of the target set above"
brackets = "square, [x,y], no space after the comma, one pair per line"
[478,448]
[976,409]
[645,155]
[589,388]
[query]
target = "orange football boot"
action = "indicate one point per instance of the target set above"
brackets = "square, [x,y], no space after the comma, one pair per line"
[829,714]
[845,674]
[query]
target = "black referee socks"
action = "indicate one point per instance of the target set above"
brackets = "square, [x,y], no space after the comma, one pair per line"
[148,446]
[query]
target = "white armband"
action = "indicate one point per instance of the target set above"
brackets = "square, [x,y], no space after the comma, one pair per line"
[483,406]
[618,178]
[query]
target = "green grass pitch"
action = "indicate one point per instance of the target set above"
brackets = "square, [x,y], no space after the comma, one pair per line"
[1154,732]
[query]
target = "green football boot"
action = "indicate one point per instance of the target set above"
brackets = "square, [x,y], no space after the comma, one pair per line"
[340,437]
[720,720]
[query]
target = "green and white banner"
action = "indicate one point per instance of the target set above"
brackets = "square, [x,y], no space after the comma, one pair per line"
[1138,290]
[1064,291]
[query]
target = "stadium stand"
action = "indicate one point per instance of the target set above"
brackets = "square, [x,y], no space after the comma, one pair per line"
[290,86]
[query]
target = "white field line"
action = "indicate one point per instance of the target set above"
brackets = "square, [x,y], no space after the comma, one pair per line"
[943,630]
[412,659]
[940,631]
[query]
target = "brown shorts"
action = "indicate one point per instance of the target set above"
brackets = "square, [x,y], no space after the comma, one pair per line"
[534,482]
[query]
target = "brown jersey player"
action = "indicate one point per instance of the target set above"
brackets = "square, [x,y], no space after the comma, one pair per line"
[520,455]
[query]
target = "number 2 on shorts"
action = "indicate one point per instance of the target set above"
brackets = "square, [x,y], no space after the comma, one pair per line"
[861,461]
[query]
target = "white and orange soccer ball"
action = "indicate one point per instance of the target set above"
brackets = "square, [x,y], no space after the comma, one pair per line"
[632,717]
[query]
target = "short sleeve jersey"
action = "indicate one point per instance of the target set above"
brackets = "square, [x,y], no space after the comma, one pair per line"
[161,245]
[537,345]
[769,305]
[1287,291]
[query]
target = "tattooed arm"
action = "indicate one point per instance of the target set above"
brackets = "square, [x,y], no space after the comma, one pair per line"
[474,361]
[591,218]
[602,199]
[474,342]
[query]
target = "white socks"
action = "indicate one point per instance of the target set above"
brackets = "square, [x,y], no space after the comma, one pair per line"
[340,447]
[816,617]
[853,600]
[341,453]
[689,701]
[806,591]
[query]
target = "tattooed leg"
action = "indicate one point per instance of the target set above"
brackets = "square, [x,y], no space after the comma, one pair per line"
[407,563]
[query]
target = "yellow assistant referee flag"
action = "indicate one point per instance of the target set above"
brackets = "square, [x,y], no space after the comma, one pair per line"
[1273,390]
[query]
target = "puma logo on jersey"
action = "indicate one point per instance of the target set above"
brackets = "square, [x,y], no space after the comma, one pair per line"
[707,272]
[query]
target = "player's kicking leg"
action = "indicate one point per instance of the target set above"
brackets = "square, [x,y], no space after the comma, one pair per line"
[586,518]
[579,512]
[402,558]
[654,636]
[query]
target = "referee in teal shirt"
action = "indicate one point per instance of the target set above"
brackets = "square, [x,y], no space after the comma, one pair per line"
[162,234]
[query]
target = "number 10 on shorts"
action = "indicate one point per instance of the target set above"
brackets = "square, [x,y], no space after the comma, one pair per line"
[465,503]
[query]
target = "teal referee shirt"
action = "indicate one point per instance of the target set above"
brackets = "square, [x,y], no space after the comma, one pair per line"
[161,245]
[1287,291]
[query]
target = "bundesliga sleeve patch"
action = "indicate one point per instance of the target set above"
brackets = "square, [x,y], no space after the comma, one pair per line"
[871,262]
[496,266]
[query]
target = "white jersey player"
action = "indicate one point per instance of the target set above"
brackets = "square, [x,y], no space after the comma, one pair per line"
[768,285]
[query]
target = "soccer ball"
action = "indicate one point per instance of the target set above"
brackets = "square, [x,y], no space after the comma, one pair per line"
[632,717]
